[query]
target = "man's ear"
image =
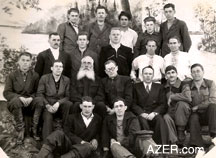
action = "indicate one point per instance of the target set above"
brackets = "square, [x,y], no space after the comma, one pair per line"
[125,108]
[81,105]
[51,68]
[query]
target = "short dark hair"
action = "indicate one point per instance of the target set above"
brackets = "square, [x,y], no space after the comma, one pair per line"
[174,37]
[170,67]
[169,5]
[87,98]
[83,33]
[149,18]
[73,10]
[110,61]
[197,65]
[57,61]
[119,99]
[151,39]
[149,66]
[123,13]
[101,7]
[53,33]
[25,54]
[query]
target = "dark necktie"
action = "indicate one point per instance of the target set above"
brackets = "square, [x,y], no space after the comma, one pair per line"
[147,88]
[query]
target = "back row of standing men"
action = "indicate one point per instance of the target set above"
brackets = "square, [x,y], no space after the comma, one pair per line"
[83,65]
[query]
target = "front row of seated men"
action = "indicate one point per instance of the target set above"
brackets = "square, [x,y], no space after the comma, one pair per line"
[192,103]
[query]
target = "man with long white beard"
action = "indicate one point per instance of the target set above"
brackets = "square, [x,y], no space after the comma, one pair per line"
[87,83]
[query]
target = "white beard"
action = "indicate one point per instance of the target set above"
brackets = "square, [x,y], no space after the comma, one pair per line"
[90,74]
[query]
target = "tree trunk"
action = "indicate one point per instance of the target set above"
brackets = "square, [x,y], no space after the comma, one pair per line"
[126,6]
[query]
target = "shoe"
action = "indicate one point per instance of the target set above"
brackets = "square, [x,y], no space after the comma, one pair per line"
[181,136]
[35,135]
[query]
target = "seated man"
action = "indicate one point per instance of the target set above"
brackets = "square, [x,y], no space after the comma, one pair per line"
[87,83]
[20,88]
[149,104]
[203,94]
[79,137]
[179,96]
[119,131]
[52,97]
[113,86]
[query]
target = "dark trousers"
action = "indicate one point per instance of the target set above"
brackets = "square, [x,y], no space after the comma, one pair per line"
[159,127]
[208,117]
[57,141]
[48,117]
[16,107]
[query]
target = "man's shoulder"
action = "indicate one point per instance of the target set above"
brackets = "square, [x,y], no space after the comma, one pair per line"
[124,78]
[65,78]
[44,52]
[125,47]
[208,82]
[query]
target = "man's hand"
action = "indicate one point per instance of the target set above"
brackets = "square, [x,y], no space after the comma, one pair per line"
[50,108]
[94,144]
[110,111]
[151,116]
[144,115]
[195,108]
[112,141]
[29,100]
[24,101]
[56,106]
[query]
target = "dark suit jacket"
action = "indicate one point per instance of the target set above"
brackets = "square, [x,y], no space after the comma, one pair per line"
[130,126]
[76,58]
[76,130]
[179,29]
[123,57]
[47,89]
[120,86]
[98,38]
[68,37]
[45,60]
[16,87]
[154,101]
[84,87]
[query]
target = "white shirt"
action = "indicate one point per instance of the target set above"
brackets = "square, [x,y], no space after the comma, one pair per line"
[181,61]
[87,120]
[128,38]
[55,53]
[157,62]
[150,85]
[115,46]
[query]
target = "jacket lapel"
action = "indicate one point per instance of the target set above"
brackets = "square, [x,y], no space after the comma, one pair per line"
[52,84]
[28,80]
[50,55]
[19,79]
[61,85]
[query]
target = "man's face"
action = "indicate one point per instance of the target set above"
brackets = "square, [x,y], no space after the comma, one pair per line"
[73,17]
[124,21]
[171,76]
[57,68]
[115,36]
[119,108]
[169,13]
[87,108]
[174,45]
[148,75]
[54,41]
[24,63]
[101,15]
[111,70]
[150,26]
[197,73]
[86,64]
[82,41]
[151,47]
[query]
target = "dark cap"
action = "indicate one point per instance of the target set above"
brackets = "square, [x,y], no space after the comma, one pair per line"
[170,67]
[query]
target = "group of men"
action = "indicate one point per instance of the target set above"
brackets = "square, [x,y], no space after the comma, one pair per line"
[106,83]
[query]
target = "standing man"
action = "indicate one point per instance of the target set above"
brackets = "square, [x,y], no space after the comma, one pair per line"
[87,83]
[113,86]
[20,88]
[121,54]
[129,36]
[99,30]
[81,51]
[52,97]
[149,104]
[119,129]
[150,58]
[68,31]
[143,38]
[46,58]
[177,58]
[178,96]
[174,27]
[203,94]
[79,138]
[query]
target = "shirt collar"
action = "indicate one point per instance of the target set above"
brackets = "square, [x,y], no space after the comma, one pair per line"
[176,85]
[115,46]
[54,50]
[150,85]
[92,115]
[202,85]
